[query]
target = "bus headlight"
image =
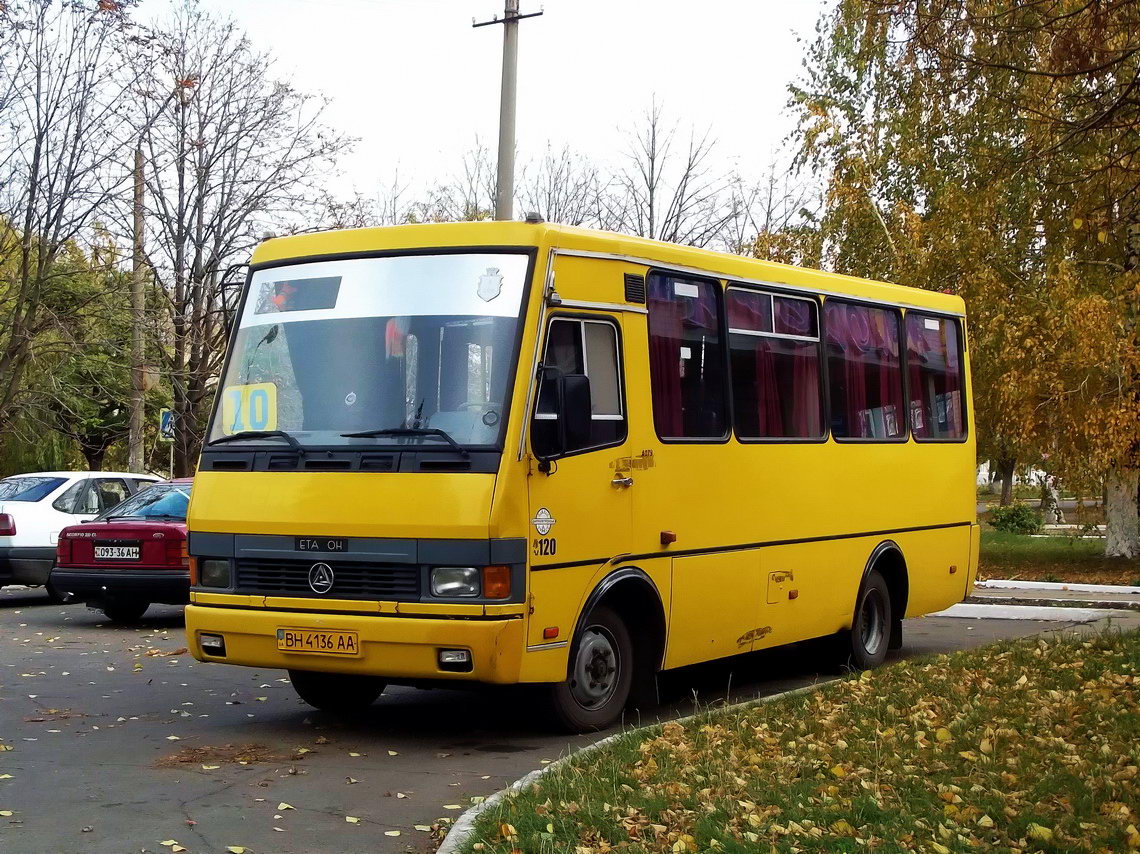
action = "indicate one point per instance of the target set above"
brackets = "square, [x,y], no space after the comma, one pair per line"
[454,581]
[214,573]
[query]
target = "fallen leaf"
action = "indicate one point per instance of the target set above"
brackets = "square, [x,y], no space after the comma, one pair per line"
[351,819]
[284,806]
[391,833]
[236,849]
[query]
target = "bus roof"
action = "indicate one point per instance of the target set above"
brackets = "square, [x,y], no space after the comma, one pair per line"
[594,242]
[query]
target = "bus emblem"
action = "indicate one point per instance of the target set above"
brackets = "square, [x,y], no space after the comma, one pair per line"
[490,284]
[543,521]
[320,578]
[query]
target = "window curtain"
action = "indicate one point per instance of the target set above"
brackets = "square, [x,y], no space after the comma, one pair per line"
[665,338]
[885,335]
[794,317]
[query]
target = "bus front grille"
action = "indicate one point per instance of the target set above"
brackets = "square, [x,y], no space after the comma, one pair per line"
[351,580]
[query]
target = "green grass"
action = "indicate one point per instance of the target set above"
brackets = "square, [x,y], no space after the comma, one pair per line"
[1030,745]
[1073,559]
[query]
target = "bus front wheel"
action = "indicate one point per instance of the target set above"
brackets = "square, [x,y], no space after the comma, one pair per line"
[870,633]
[601,672]
[339,693]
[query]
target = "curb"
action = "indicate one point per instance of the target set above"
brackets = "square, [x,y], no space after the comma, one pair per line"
[1005,584]
[1054,613]
[464,827]
[1045,601]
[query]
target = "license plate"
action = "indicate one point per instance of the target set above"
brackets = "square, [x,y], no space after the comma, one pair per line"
[318,641]
[116,552]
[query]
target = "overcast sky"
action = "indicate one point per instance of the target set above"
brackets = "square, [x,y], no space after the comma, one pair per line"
[417,84]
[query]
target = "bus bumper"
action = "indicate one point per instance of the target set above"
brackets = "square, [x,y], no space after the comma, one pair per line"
[390,647]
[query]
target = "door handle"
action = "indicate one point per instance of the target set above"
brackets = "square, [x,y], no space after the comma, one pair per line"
[622,481]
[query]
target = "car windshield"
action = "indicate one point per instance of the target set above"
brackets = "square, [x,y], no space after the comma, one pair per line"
[28,488]
[161,501]
[414,343]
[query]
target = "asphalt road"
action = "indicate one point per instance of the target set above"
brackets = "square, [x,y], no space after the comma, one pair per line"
[94,727]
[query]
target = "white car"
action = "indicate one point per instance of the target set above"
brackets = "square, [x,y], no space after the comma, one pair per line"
[34,508]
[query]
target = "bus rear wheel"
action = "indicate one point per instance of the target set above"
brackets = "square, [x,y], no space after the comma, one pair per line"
[870,633]
[340,693]
[601,672]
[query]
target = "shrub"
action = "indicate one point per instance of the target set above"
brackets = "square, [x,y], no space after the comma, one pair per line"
[1016,519]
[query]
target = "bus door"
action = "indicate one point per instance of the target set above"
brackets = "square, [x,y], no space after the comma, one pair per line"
[580,511]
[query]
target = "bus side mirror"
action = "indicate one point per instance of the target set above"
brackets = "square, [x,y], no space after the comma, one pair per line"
[570,404]
[576,410]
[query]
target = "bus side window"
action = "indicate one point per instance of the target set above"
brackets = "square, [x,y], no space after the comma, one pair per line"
[686,359]
[864,371]
[934,367]
[587,347]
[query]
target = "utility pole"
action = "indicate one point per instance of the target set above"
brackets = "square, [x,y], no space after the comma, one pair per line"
[505,180]
[138,318]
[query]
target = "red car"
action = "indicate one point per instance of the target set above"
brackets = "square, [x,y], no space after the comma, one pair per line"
[131,556]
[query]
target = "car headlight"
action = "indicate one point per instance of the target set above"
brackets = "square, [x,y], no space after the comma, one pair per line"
[455,581]
[214,573]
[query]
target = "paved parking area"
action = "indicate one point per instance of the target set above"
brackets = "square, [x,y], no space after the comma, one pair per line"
[120,743]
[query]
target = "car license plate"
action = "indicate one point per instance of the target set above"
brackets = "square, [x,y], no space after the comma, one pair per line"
[116,552]
[318,641]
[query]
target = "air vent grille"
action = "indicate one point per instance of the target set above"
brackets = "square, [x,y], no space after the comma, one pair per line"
[635,288]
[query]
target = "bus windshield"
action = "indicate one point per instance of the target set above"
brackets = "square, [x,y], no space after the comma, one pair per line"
[413,343]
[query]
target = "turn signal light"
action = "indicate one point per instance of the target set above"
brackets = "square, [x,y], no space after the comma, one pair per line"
[550,633]
[192,562]
[496,582]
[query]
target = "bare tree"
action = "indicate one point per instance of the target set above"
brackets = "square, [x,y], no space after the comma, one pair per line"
[668,189]
[773,218]
[62,84]
[562,186]
[235,152]
[466,196]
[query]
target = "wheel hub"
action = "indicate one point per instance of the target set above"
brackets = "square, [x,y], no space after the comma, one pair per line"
[596,666]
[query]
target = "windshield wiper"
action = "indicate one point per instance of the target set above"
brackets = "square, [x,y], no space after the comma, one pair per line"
[260,434]
[410,431]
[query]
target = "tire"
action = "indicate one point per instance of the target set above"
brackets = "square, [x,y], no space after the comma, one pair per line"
[870,633]
[597,689]
[57,596]
[339,693]
[125,610]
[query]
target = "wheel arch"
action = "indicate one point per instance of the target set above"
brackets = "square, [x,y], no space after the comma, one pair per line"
[888,559]
[631,593]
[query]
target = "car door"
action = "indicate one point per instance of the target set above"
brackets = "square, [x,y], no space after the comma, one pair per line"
[581,508]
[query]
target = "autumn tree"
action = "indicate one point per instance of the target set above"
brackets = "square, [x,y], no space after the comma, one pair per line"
[63,83]
[955,159]
[231,151]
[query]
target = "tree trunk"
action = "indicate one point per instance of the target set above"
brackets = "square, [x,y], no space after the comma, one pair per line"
[94,456]
[1005,472]
[1123,538]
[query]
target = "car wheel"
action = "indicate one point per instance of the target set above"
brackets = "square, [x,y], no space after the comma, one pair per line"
[601,672]
[125,611]
[340,693]
[870,633]
[57,596]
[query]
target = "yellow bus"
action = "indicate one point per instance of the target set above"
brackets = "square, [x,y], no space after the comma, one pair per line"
[528,453]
